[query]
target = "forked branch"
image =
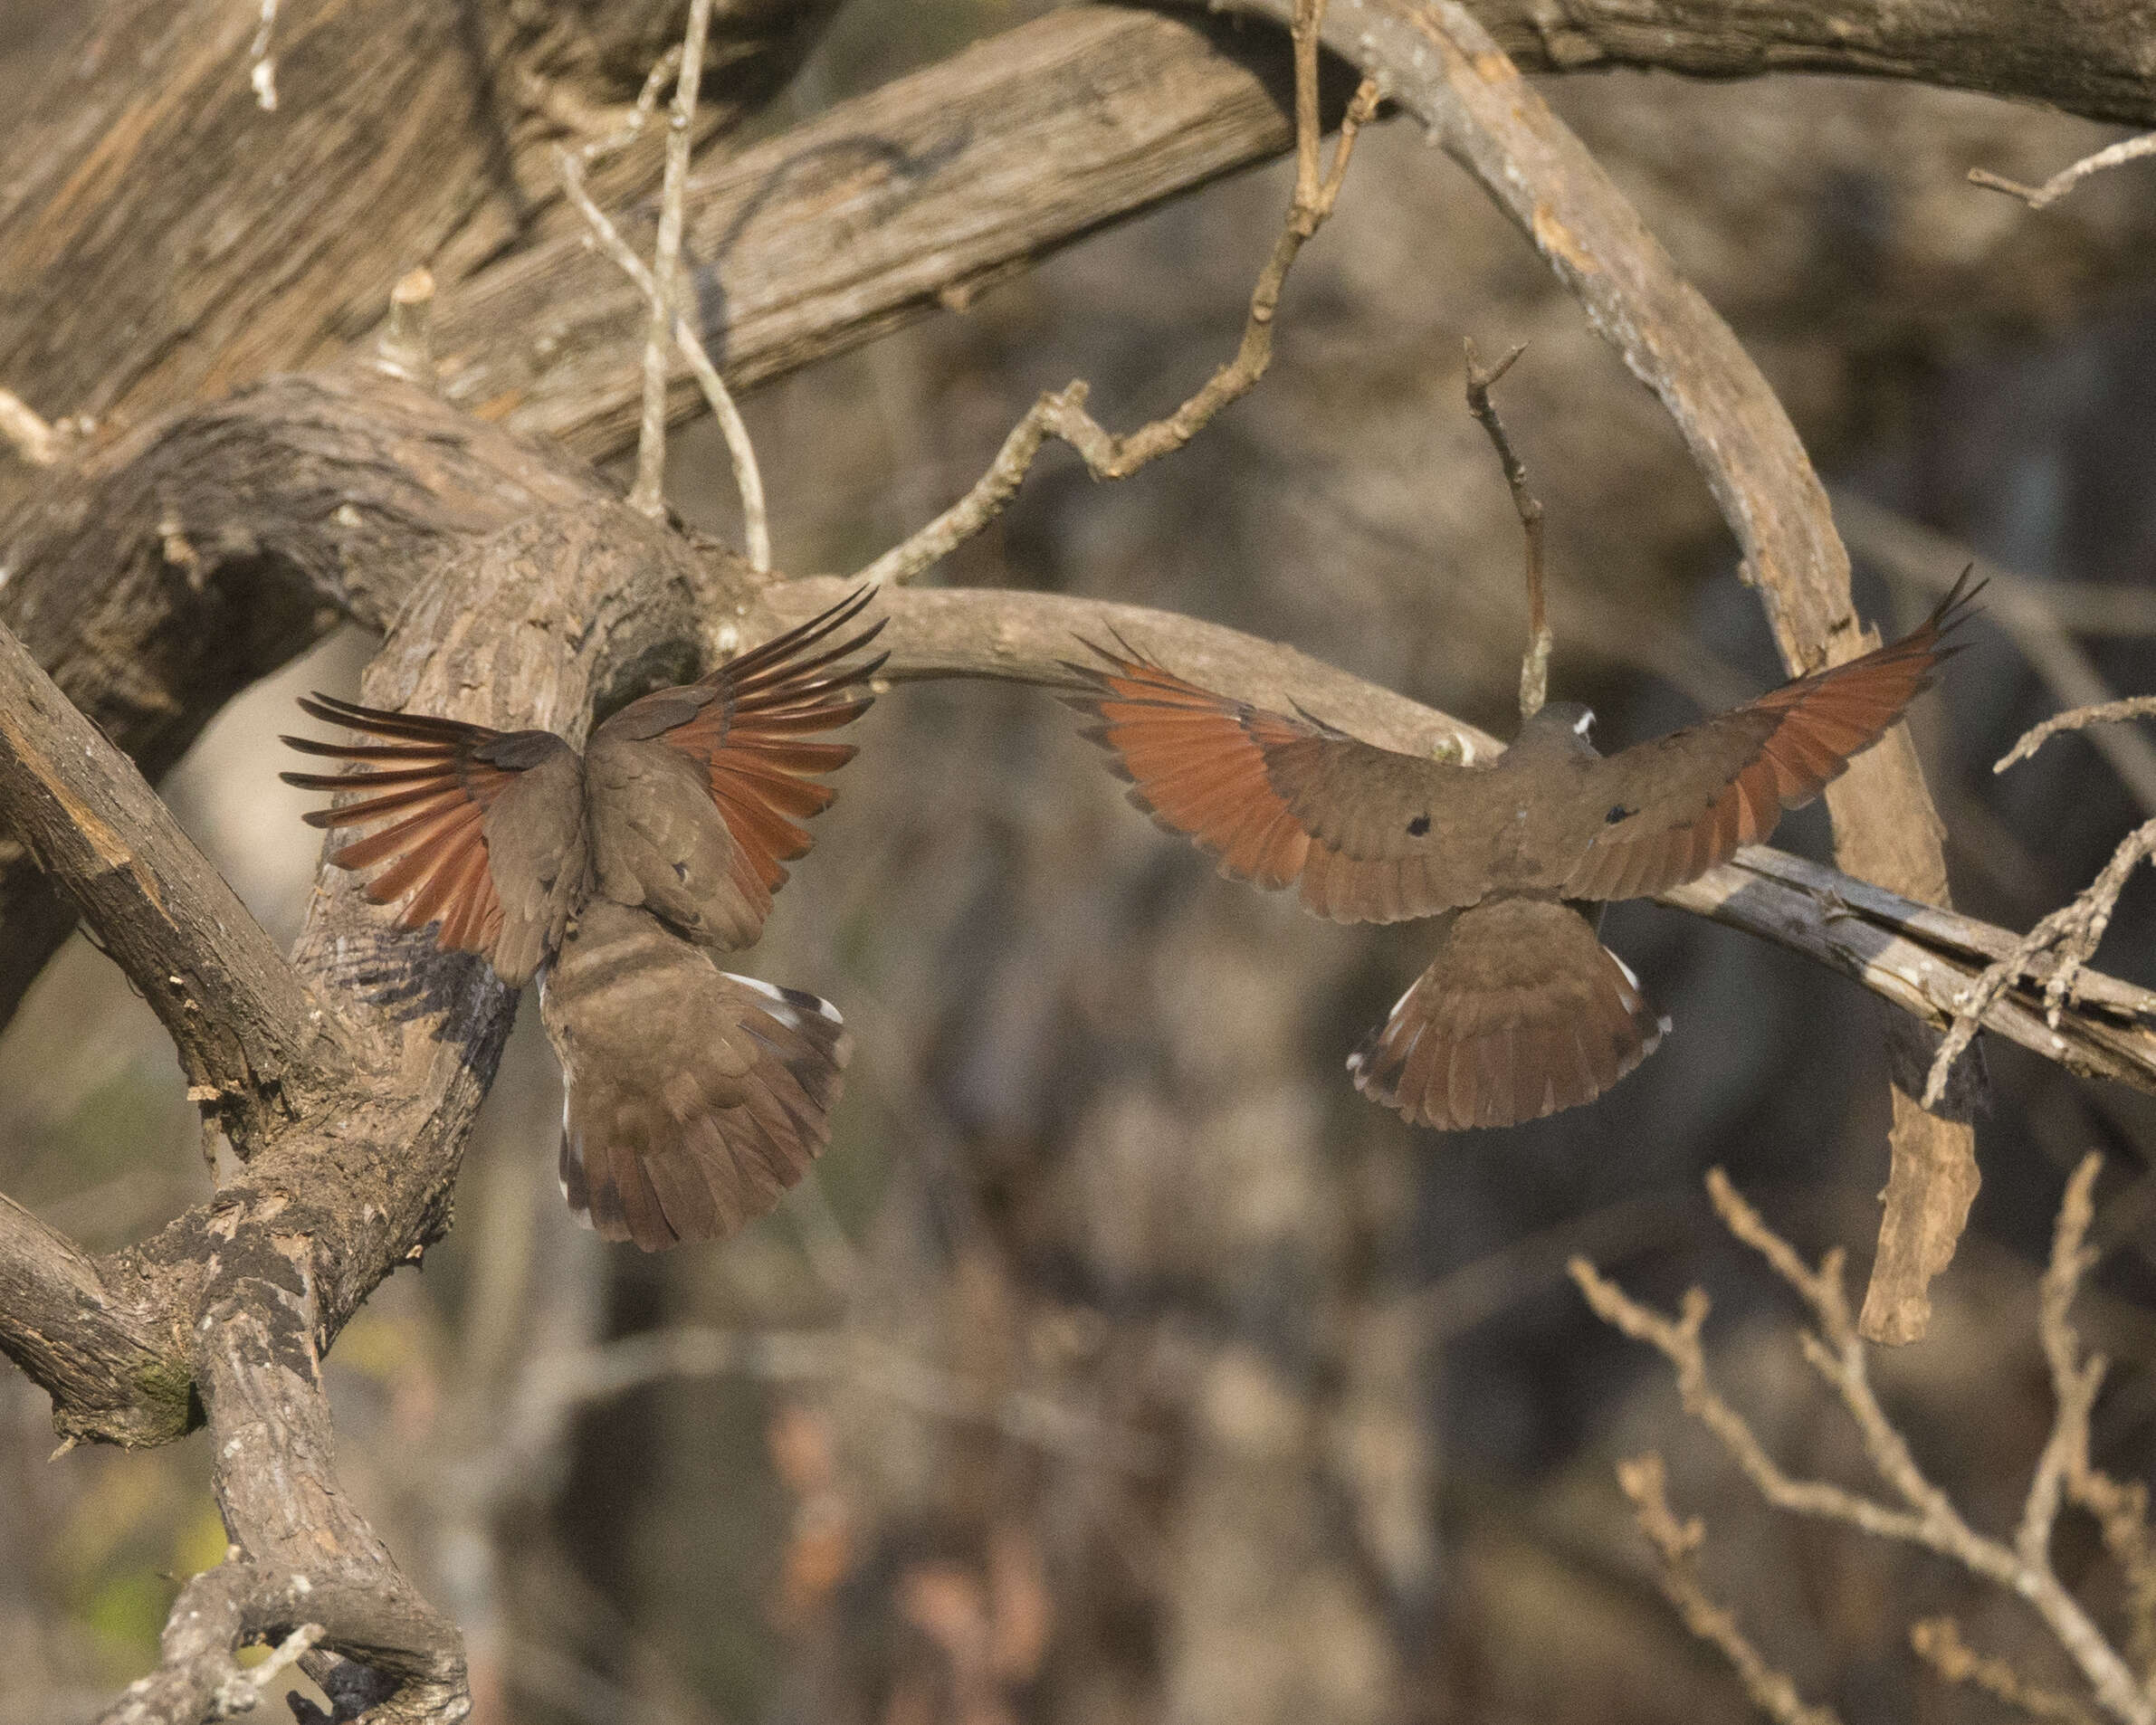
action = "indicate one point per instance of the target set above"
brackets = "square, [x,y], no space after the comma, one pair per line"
[1913,1511]
[1062,413]
[2037,197]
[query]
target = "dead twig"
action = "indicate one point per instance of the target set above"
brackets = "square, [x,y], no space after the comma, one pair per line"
[1534,666]
[1062,413]
[666,264]
[1923,1514]
[756,529]
[2103,712]
[2119,1509]
[2037,197]
[2023,608]
[1644,1480]
[1938,1643]
[2070,934]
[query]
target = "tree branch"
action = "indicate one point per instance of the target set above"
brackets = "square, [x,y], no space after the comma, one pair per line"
[250,1036]
[413,477]
[1534,663]
[108,1366]
[1062,413]
[2038,197]
[235,1301]
[813,242]
[921,193]
[1644,1480]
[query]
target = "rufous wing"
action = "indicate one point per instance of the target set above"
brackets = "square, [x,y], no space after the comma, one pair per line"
[1522,1012]
[1367,834]
[1667,811]
[485,834]
[695,1097]
[749,728]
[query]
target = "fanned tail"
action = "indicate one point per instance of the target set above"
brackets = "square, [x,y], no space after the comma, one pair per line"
[696,1098]
[1522,1012]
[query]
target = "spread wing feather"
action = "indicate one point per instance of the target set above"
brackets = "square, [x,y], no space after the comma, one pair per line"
[474,814]
[746,725]
[1667,811]
[1366,833]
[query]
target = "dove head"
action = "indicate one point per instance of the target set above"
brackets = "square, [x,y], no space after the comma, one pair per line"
[1562,727]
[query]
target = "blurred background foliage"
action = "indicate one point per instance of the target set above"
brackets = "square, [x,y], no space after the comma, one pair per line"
[1120,1362]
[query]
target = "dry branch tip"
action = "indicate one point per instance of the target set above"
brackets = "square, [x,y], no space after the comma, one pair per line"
[2037,196]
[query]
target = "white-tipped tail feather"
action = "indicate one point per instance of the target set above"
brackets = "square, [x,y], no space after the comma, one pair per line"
[1522,1012]
[696,1098]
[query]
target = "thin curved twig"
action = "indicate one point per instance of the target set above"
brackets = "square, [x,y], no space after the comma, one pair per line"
[1062,413]
[2129,150]
[1534,663]
[2023,610]
[2103,712]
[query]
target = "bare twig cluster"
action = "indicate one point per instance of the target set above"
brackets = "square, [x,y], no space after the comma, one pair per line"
[1645,1481]
[1913,1511]
[1062,413]
[660,282]
[2041,618]
[1937,1641]
[2067,940]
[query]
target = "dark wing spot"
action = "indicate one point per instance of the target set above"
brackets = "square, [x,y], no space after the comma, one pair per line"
[1618,811]
[681,870]
[1418,825]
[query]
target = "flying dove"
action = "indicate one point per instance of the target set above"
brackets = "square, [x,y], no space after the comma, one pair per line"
[695,1096]
[1522,1012]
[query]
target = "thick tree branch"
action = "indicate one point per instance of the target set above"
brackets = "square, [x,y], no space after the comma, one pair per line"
[250,1037]
[919,193]
[231,1305]
[814,241]
[108,1364]
[164,575]
[405,132]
